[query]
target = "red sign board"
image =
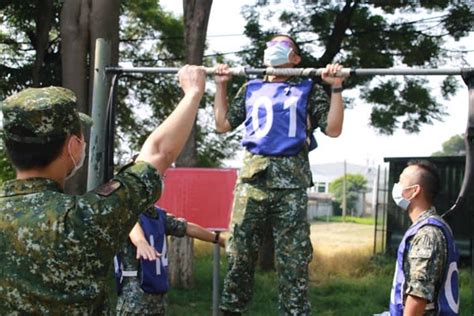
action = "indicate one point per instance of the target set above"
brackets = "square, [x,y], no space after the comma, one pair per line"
[200,195]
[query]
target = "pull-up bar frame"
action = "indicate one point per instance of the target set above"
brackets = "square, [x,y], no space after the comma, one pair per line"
[305,72]
[99,106]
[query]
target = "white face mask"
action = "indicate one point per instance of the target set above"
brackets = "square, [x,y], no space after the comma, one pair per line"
[398,198]
[276,55]
[81,160]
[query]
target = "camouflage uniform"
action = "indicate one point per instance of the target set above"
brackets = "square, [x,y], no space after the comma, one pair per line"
[272,189]
[133,300]
[57,248]
[425,261]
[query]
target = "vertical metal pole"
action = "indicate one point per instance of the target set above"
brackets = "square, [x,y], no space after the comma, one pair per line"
[469,139]
[97,148]
[344,189]
[385,211]
[376,208]
[467,183]
[215,279]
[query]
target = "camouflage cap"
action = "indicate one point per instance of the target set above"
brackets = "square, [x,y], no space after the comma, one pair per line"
[41,115]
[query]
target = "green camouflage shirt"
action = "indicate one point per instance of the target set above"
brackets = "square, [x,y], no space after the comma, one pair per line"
[57,248]
[281,172]
[425,260]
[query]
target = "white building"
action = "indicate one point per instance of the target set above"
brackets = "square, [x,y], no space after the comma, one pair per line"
[320,200]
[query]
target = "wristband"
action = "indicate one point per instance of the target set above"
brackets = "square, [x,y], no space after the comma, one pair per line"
[337,89]
[216,238]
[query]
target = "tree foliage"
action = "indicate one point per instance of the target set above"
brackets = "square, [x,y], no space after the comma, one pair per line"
[364,34]
[454,146]
[22,40]
[149,36]
[153,37]
[27,57]
[355,185]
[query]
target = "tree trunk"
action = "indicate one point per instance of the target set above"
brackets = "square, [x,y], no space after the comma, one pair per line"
[341,24]
[180,274]
[43,19]
[74,29]
[82,22]
[104,23]
[75,49]
[196,18]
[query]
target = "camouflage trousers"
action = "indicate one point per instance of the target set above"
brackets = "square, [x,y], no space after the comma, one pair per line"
[286,211]
[134,301]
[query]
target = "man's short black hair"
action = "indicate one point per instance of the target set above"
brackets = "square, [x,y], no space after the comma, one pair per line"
[297,47]
[27,156]
[429,178]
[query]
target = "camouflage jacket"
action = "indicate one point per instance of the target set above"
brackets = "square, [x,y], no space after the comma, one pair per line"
[174,226]
[57,249]
[425,260]
[281,172]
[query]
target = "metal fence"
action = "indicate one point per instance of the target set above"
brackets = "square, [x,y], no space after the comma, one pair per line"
[380,211]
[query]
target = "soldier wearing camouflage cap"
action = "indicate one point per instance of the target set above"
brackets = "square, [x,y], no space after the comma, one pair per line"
[57,248]
[42,115]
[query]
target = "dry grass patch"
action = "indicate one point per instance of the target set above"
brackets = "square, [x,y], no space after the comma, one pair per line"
[343,263]
[340,250]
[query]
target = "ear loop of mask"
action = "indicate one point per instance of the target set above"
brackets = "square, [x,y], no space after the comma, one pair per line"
[409,187]
[79,165]
[69,153]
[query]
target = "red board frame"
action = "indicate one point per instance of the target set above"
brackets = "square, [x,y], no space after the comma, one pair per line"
[200,195]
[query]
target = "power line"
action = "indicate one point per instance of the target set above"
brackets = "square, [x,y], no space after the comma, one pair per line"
[179,37]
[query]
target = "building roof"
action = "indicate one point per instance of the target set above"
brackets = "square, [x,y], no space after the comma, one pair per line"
[328,172]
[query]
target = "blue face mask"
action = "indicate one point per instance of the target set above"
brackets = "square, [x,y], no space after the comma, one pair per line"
[277,55]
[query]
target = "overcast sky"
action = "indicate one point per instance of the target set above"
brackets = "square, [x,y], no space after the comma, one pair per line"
[359,143]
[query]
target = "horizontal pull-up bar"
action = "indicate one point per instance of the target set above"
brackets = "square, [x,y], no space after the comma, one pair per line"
[305,72]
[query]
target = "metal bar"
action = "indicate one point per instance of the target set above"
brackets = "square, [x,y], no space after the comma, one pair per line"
[344,193]
[305,72]
[99,101]
[110,129]
[376,207]
[385,211]
[215,279]
[469,166]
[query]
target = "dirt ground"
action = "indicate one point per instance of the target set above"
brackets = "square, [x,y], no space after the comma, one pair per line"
[336,237]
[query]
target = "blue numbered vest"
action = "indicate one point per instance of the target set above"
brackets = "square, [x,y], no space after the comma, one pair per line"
[276,117]
[153,275]
[448,299]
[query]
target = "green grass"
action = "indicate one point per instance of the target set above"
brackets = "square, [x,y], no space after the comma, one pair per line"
[366,294]
[348,219]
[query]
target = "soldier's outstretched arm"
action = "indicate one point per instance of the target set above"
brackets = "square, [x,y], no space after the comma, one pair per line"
[165,143]
[336,110]
[199,232]
[220,99]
